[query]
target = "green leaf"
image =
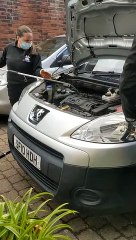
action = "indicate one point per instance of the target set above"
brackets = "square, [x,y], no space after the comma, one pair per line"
[2,207]
[60,236]
[3,232]
[12,230]
[62,213]
[11,209]
[39,208]
[39,195]
[29,228]
[25,208]
[59,227]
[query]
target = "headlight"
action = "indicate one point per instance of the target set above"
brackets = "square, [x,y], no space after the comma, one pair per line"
[108,129]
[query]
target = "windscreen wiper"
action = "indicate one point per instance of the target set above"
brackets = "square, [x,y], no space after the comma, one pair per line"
[99,73]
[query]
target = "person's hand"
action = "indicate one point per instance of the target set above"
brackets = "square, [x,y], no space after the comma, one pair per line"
[45,74]
[130,132]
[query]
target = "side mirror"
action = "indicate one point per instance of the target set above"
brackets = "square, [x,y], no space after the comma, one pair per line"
[65,60]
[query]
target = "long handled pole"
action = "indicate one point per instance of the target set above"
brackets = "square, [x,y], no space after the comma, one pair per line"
[36,77]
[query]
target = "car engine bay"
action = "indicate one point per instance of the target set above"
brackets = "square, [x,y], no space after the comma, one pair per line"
[79,97]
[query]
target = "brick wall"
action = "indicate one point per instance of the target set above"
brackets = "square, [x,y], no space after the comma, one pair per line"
[45,17]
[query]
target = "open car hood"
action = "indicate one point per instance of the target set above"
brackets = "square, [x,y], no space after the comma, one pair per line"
[98,28]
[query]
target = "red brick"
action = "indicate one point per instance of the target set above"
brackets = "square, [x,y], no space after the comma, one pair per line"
[48,15]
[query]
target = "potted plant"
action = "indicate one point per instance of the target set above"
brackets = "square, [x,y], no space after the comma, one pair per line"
[18,222]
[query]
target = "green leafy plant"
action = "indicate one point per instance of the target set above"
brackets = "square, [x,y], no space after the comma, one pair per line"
[18,222]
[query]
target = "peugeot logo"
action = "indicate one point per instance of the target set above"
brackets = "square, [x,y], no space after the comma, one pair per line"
[37,114]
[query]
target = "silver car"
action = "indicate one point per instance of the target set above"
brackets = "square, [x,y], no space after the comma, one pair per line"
[4,100]
[66,134]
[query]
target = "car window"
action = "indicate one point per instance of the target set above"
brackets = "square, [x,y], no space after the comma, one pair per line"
[59,57]
[49,46]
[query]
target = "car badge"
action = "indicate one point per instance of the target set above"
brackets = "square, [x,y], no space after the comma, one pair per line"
[37,114]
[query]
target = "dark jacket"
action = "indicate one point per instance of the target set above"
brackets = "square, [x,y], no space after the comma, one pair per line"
[22,61]
[128,84]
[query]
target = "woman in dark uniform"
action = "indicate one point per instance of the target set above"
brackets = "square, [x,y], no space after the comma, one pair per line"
[23,57]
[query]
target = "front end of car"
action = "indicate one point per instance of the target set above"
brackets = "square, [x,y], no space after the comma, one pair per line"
[80,161]
[69,137]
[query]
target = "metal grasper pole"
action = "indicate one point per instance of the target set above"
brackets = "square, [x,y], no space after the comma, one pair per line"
[36,77]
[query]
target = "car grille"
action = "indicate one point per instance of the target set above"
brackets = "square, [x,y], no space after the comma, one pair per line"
[47,183]
[44,180]
[39,144]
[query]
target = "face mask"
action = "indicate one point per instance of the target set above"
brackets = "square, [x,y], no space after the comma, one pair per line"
[25,45]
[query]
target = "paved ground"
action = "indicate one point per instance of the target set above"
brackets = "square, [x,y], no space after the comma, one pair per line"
[14,183]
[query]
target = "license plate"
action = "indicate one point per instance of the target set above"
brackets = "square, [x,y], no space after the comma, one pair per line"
[27,153]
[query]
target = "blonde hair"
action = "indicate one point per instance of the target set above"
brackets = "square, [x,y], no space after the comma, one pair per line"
[23,29]
[20,32]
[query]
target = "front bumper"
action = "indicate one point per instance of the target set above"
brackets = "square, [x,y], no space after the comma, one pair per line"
[89,190]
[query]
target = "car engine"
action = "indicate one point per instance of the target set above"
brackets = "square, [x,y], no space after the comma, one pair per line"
[78,99]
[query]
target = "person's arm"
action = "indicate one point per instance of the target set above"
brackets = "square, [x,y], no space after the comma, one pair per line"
[128,84]
[38,70]
[128,94]
[3,58]
[37,66]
